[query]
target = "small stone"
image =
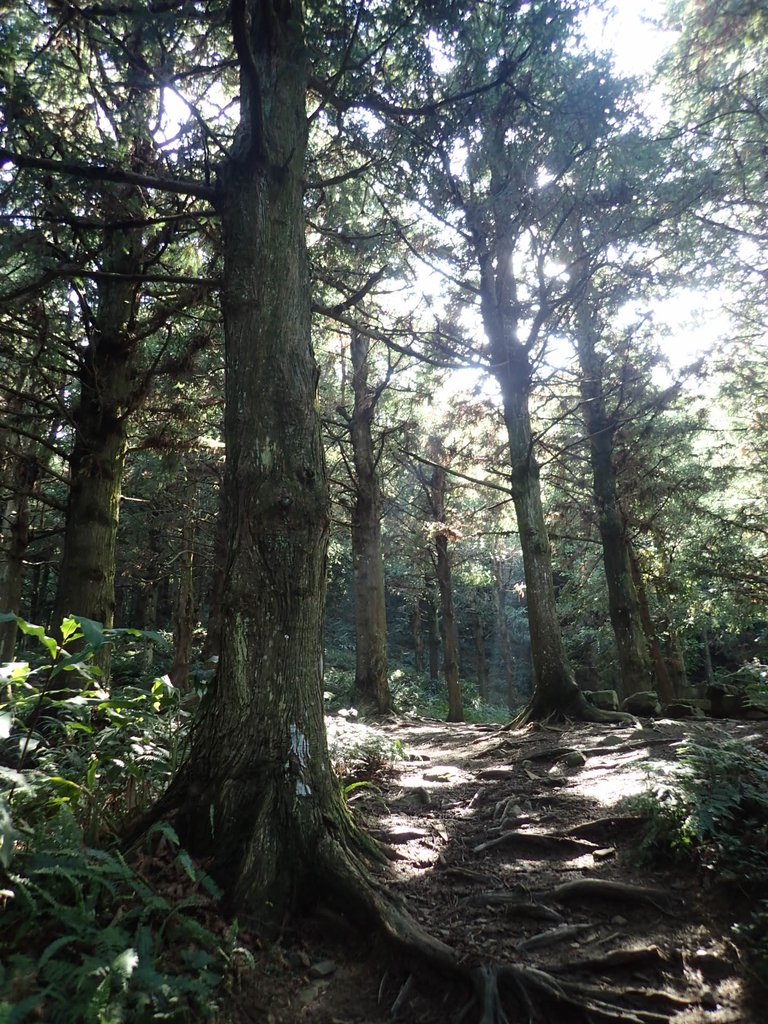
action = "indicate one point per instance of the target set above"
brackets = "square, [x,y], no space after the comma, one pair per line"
[606,854]
[441,773]
[322,969]
[645,702]
[619,921]
[608,700]
[709,1000]
[574,759]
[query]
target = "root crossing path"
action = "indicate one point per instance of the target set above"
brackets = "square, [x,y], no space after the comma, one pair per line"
[516,849]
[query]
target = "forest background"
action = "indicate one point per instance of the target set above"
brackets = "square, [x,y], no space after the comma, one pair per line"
[510,493]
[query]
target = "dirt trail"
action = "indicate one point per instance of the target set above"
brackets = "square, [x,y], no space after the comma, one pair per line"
[510,847]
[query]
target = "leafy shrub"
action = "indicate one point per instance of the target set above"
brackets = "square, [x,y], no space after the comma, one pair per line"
[87,938]
[713,810]
[357,751]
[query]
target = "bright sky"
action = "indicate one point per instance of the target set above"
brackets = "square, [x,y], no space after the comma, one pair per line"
[691,321]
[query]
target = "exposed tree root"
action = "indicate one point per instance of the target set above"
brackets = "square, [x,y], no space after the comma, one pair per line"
[644,956]
[599,888]
[538,841]
[343,877]
[579,708]
[598,825]
[537,911]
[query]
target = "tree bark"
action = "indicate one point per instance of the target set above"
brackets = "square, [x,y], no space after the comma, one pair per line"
[635,667]
[184,617]
[14,540]
[443,575]
[257,794]
[86,584]
[481,662]
[371,681]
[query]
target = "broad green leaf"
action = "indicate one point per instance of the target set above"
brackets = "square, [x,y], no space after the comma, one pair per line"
[29,629]
[93,632]
[69,628]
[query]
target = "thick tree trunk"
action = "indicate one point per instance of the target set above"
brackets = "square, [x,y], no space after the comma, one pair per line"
[635,668]
[371,681]
[258,794]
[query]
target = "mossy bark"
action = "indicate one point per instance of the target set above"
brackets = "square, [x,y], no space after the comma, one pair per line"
[635,667]
[257,795]
[86,584]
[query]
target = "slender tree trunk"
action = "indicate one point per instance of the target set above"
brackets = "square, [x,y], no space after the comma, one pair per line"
[449,632]
[479,642]
[555,689]
[433,639]
[505,645]
[371,681]
[184,618]
[443,574]
[14,540]
[664,683]
[418,637]
[635,668]
[212,645]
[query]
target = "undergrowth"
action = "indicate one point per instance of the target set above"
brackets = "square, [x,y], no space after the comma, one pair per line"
[711,813]
[87,936]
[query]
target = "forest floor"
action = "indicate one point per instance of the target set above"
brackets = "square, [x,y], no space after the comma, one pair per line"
[513,847]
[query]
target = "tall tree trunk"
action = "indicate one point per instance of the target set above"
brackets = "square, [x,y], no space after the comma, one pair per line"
[257,794]
[184,618]
[555,688]
[635,668]
[433,638]
[478,638]
[505,644]
[664,682]
[14,540]
[212,644]
[86,583]
[443,574]
[367,558]
[418,637]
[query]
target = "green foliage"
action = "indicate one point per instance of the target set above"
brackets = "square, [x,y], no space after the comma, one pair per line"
[105,755]
[411,697]
[713,811]
[87,938]
[359,752]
